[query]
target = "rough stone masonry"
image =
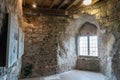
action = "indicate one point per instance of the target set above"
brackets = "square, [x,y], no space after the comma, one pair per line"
[50,41]
[8,6]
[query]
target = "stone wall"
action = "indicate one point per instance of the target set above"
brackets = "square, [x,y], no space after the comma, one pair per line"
[13,72]
[7,6]
[40,46]
[50,45]
[88,64]
[73,30]
[116,51]
[46,49]
[106,42]
[116,62]
[15,7]
[108,19]
[66,53]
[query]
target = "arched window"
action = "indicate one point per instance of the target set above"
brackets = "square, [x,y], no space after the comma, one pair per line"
[88,40]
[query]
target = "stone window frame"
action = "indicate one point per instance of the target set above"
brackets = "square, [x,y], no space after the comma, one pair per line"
[94,23]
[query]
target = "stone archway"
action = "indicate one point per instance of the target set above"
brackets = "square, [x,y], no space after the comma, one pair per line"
[106,42]
[86,62]
[67,55]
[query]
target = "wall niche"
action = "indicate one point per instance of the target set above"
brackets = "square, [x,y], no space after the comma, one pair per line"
[3,38]
[11,40]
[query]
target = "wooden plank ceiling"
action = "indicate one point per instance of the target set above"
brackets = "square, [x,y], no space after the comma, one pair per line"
[55,7]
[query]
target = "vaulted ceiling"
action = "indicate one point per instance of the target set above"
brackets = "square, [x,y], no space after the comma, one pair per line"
[54,6]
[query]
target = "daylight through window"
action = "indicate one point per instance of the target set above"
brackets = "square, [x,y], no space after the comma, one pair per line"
[88,45]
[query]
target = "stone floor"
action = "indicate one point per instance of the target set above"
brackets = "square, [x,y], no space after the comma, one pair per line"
[73,75]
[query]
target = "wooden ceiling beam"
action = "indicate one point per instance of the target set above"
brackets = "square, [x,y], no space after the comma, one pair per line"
[46,11]
[71,4]
[62,4]
[52,3]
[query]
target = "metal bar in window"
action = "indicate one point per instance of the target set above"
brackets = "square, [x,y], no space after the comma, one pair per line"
[88,45]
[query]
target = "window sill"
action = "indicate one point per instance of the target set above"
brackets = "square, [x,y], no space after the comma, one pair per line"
[89,57]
